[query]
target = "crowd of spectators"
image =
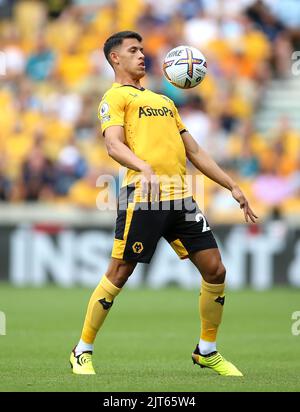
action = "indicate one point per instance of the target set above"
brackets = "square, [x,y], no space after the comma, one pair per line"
[51,149]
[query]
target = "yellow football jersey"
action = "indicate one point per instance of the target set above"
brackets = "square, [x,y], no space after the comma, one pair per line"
[152,128]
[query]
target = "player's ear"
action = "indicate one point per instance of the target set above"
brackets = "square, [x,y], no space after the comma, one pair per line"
[114,57]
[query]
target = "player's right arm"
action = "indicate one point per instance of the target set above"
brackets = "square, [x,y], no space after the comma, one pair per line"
[111,115]
[120,152]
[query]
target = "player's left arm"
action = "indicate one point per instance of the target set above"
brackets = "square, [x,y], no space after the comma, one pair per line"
[203,162]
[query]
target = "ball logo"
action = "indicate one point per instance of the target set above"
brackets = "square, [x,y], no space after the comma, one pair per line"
[175,53]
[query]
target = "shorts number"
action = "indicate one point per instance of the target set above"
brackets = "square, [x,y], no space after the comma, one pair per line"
[200,216]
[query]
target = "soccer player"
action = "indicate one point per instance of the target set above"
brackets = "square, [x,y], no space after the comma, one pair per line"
[143,131]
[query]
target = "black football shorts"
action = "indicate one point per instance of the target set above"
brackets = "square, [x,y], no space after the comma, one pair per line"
[139,228]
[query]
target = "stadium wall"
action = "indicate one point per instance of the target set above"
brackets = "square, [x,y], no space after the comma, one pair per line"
[72,247]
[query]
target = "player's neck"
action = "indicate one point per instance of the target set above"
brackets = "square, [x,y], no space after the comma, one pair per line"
[126,80]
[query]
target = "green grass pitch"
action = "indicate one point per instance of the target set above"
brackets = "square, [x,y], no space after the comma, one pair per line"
[147,340]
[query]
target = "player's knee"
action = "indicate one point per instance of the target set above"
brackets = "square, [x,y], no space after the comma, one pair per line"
[221,273]
[119,273]
[216,274]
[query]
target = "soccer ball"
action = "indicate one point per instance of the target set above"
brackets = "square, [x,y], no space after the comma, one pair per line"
[184,67]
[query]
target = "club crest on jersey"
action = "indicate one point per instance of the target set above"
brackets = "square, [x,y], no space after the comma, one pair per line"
[137,247]
[150,111]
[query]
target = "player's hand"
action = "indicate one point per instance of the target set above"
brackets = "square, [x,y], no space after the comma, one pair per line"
[150,184]
[239,196]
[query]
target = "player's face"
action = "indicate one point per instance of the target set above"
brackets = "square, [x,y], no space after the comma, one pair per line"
[131,59]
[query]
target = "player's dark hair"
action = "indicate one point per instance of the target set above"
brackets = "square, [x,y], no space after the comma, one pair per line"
[117,39]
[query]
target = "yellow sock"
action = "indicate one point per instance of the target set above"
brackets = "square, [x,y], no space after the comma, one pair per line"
[98,308]
[211,303]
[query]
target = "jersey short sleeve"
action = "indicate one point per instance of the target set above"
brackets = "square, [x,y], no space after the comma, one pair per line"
[111,110]
[180,125]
